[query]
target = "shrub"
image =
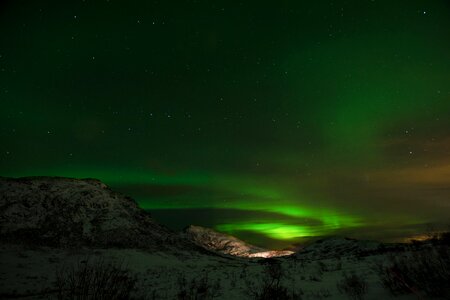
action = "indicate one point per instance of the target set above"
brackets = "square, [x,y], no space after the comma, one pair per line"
[423,272]
[353,286]
[87,280]
[320,294]
[200,289]
[272,288]
[444,238]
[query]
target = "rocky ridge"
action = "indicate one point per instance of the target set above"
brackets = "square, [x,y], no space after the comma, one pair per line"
[227,244]
[65,212]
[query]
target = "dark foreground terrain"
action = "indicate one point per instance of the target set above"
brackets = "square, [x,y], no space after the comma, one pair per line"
[76,239]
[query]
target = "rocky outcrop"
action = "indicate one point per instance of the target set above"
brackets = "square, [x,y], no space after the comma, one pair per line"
[65,212]
[227,244]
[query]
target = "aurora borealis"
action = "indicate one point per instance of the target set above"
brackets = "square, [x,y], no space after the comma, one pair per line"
[270,120]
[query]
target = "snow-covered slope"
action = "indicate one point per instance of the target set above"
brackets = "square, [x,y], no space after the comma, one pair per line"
[333,247]
[227,244]
[56,211]
[39,212]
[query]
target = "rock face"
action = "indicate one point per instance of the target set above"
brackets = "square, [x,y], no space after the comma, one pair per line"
[68,212]
[227,244]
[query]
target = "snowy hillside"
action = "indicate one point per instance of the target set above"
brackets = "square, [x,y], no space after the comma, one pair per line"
[338,247]
[58,235]
[55,211]
[227,244]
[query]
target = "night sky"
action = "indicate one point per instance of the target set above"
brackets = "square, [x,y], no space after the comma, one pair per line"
[274,121]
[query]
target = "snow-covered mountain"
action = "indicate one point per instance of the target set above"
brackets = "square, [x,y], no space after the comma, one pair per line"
[227,244]
[87,225]
[55,211]
[333,247]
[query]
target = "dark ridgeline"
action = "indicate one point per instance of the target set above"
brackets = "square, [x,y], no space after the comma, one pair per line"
[65,212]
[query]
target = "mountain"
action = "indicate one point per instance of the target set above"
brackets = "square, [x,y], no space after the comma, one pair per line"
[332,247]
[227,244]
[58,235]
[65,212]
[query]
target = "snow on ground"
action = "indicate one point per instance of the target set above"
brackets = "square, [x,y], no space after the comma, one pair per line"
[84,222]
[26,271]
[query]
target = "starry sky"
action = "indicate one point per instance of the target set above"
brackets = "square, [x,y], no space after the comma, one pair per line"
[275,121]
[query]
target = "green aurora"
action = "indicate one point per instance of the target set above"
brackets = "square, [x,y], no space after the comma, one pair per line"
[273,121]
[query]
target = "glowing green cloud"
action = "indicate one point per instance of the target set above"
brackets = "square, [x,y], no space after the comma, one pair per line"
[291,119]
[245,194]
[273,230]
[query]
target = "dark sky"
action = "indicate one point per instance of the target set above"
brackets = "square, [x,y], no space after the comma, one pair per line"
[270,120]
